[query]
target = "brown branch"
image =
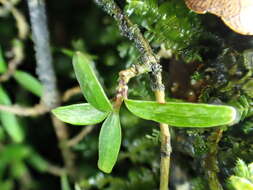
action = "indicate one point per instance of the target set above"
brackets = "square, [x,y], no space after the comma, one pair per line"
[54,170]
[80,136]
[39,109]
[165,147]
[124,77]
[71,92]
[63,136]
[130,30]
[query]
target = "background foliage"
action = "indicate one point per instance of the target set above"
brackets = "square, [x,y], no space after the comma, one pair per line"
[207,63]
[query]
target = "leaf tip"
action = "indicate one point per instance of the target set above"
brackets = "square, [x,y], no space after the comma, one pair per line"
[235,115]
[104,168]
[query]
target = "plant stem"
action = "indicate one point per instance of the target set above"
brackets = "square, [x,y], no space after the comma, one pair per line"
[39,109]
[130,30]
[210,162]
[124,77]
[150,64]
[80,136]
[165,148]
[165,156]
[71,92]
[45,71]
[44,68]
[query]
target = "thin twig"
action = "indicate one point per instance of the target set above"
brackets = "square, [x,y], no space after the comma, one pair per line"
[165,148]
[39,109]
[150,64]
[62,135]
[71,92]
[54,170]
[124,77]
[130,30]
[80,136]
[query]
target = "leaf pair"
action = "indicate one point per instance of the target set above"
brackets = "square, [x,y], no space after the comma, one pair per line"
[99,108]
[110,133]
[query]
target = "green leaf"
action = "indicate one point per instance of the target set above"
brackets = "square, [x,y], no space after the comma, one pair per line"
[3,66]
[250,166]
[2,134]
[67,52]
[241,169]
[79,114]
[14,153]
[9,120]
[89,83]
[240,183]
[109,143]
[29,82]
[65,182]
[37,162]
[183,114]
[18,169]
[7,185]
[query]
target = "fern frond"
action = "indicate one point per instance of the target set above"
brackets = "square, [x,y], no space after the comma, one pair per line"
[170,23]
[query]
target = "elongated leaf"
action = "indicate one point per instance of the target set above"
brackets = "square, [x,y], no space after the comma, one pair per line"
[37,162]
[3,65]
[79,114]
[109,143]
[29,82]
[89,83]
[9,121]
[183,114]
